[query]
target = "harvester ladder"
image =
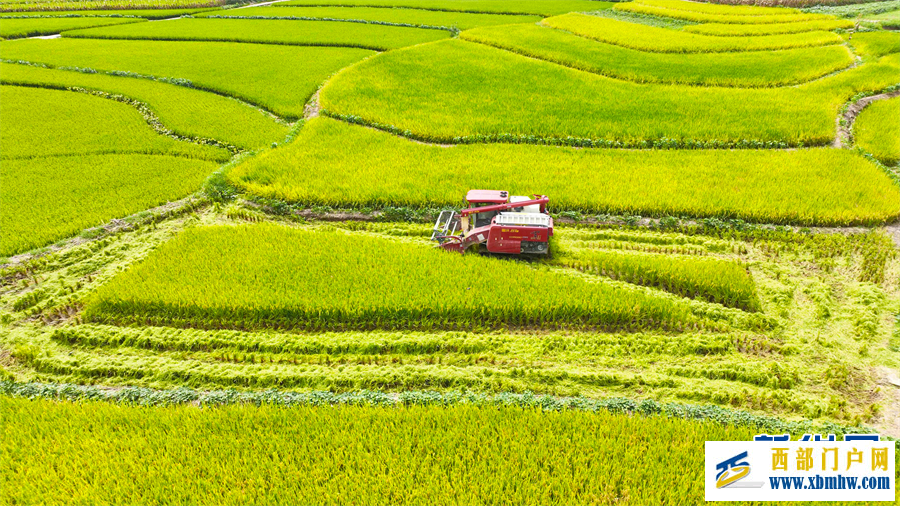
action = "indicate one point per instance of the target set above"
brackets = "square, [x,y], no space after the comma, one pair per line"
[442,227]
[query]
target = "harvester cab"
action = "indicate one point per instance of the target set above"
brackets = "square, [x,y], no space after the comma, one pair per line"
[502,223]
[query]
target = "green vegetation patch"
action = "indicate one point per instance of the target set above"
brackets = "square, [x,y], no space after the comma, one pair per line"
[185,111]
[40,122]
[278,78]
[740,30]
[537,7]
[497,95]
[875,44]
[97,453]
[289,32]
[48,199]
[743,69]
[413,17]
[357,282]
[16,28]
[705,17]
[335,164]
[663,40]
[877,130]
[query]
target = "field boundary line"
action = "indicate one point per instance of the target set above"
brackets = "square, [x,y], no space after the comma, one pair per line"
[92,153]
[64,16]
[666,83]
[309,211]
[175,81]
[144,109]
[140,396]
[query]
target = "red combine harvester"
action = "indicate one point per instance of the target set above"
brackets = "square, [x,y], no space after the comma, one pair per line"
[503,224]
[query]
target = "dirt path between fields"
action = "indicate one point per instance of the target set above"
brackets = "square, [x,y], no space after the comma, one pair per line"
[844,136]
[312,109]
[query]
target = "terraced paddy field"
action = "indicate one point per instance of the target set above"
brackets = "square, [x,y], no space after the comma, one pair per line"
[16,28]
[277,31]
[217,227]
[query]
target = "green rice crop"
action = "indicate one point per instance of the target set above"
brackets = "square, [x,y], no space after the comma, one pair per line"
[88,452]
[744,69]
[52,198]
[877,130]
[40,122]
[357,282]
[739,30]
[278,78]
[662,40]
[537,7]
[512,98]
[703,17]
[80,5]
[875,44]
[72,161]
[415,17]
[137,13]
[19,28]
[710,279]
[712,8]
[185,111]
[379,169]
[288,32]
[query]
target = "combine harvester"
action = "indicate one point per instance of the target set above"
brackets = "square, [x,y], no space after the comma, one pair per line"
[503,224]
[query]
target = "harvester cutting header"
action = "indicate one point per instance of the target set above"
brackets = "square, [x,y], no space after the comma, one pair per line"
[503,224]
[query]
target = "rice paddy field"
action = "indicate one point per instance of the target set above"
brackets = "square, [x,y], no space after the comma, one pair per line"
[16,28]
[877,130]
[217,283]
